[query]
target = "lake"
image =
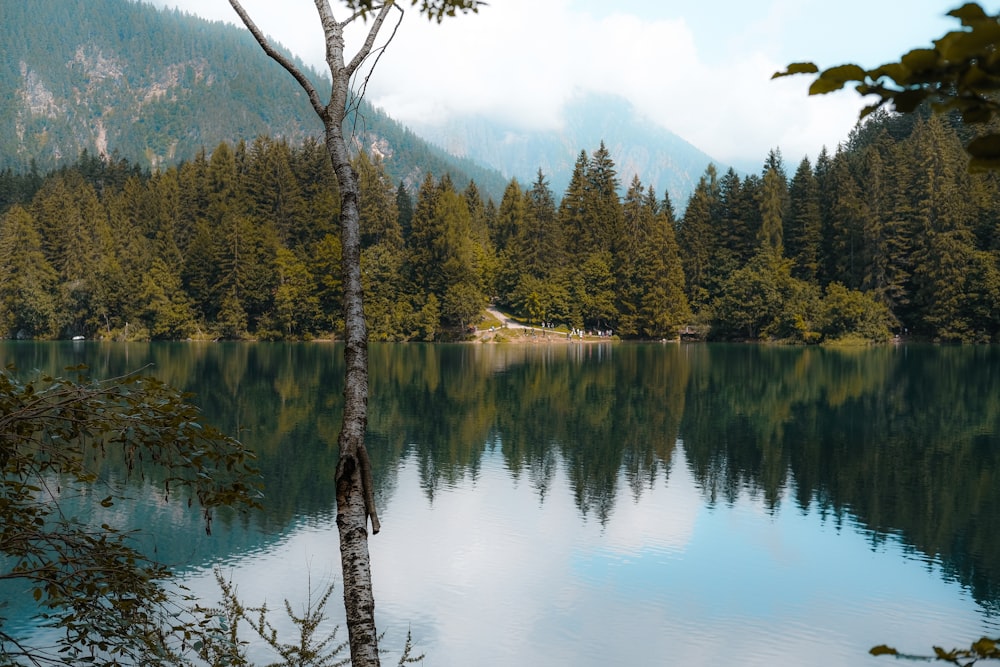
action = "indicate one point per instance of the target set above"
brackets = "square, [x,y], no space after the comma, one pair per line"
[607,504]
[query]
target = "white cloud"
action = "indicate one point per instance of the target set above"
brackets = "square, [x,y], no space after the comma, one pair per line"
[701,70]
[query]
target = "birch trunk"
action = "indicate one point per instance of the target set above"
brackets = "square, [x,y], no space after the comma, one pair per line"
[355,498]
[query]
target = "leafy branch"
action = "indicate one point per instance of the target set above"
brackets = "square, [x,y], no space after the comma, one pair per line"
[984,649]
[960,73]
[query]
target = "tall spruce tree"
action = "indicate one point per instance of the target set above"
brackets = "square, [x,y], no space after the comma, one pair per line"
[804,229]
[27,307]
[695,236]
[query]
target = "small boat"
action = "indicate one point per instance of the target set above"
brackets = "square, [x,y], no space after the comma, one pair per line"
[79,338]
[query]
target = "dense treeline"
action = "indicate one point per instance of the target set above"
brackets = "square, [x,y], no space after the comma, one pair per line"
[889,234]
[891,231]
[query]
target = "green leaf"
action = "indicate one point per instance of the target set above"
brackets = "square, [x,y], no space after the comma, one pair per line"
[985,647]
[797,68]
[848,72]
[895,71]
[944,655]
[960,46]
[969,13]
[871,108]
[921,60]
[823,86]
[834,79]
[37,593]
[908,100]
[985,147]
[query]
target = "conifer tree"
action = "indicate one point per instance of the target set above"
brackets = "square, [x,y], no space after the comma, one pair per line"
[603,221]
[27,307]
[166,311]
[731,244]
[404,207]
[803,232]
[773,204]
[664,306]
[844,240]
[510,216]
[639,212]
[943,247]
[694,237]
[572,210]
[295,304]
[377,211]
[275,194]
[538,252]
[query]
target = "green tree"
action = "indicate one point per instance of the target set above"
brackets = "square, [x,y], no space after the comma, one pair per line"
[803,232]
[26,303]
[664,306]
[695,238]
[296,305]
[773,204]
[110,601]
[851,312]
[378,213]
[509,226]
[638,218]
[167,311]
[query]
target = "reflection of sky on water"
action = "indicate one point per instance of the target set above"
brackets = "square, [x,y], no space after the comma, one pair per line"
[488,575]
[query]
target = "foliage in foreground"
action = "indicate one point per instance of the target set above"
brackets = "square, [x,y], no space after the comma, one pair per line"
[984,649]
[316,646]
[108,602]
[959,73]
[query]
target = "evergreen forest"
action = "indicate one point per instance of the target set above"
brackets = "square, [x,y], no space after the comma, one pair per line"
[889,235]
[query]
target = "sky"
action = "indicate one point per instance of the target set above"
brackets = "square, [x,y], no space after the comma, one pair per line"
[701,69]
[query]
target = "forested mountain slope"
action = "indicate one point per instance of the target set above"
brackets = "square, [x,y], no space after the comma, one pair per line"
[155,87]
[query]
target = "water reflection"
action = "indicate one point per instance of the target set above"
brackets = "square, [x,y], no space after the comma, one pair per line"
[699,487]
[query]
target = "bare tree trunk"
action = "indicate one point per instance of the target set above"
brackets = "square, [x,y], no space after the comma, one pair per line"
[355,498]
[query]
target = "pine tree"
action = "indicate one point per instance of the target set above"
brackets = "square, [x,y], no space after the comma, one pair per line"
[404,208]
[603,221]
[379,217]
[273,187]
[664,305]
[296,306]
[539,256]
[27,307]
[845,236]
[943,241]
[695,239]
[773,204]
[510,216]
[572,210]
[803,232]
[639,212]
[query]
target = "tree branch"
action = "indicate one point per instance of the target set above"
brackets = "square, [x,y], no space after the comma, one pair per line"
[278,57]
[366,48]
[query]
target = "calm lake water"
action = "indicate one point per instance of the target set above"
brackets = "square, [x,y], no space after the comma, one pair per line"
[608,504]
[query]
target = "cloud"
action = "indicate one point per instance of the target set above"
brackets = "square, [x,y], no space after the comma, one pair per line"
[701,70]
[520,61]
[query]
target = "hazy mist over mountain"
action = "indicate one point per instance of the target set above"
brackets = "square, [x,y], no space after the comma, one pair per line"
[637,145]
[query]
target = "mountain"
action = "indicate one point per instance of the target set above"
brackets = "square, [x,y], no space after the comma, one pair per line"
[155,86]
[637,146]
